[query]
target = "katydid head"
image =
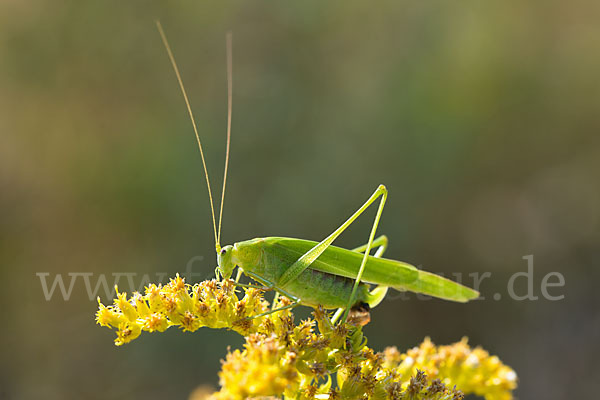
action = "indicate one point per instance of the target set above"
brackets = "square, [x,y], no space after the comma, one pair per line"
[225,261]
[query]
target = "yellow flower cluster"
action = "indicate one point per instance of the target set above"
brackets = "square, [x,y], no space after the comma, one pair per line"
[210,304]
[264,367]
[300,361]
[471,370]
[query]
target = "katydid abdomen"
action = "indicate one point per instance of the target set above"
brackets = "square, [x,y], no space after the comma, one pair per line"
[315,288]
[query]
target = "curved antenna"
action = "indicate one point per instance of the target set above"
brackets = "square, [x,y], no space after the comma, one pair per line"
[229,109]
[189,108]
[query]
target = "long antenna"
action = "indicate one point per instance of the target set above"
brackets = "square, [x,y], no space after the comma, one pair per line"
[229,107]
[189,108]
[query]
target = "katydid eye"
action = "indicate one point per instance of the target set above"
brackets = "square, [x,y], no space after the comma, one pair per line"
[223,251]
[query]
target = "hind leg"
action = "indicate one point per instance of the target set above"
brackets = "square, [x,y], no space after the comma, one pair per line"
[377,294]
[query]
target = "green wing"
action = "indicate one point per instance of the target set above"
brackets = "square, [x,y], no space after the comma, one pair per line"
[380,271]
[438,286]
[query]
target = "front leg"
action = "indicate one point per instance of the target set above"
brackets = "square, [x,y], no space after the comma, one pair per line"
[292,305]
[271,286]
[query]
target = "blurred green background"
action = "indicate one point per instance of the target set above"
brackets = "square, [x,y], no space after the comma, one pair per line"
[482,119]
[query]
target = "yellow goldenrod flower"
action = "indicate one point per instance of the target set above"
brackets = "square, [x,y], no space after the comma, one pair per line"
[207,304]
[471,370]
[155,322]
[297,362]
[107,316]
[265,367]
[126,308]
[127,332]
[300,361]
